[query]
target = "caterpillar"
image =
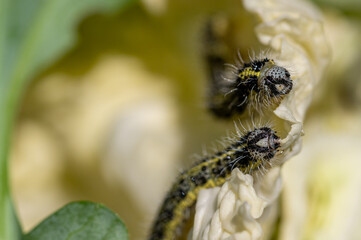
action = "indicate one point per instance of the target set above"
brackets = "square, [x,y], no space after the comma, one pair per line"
[259,83]
[252,152]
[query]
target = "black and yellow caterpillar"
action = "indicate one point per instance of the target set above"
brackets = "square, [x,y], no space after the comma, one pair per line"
[253,152]
[260,82]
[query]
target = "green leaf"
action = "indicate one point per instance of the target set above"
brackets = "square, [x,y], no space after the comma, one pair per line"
[33,34]
[80,220]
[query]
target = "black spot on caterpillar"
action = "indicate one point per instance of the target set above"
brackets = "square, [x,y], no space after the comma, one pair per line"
[259,83]
[252,152]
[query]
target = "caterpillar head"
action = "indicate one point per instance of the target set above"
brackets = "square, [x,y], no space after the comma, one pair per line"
[275,81]
[262,143]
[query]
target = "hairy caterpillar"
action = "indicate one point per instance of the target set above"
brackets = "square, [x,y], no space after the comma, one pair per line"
[260,83]
[252,152]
